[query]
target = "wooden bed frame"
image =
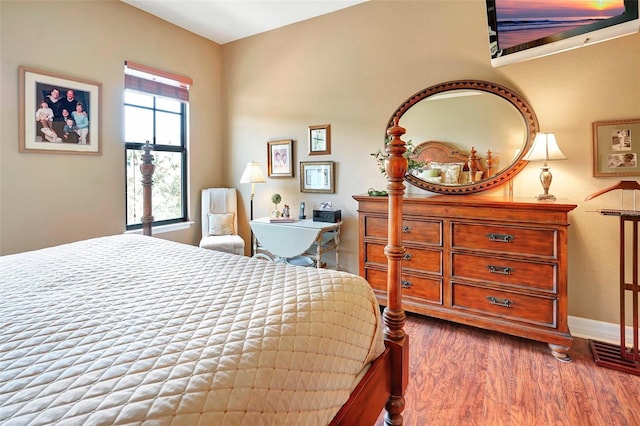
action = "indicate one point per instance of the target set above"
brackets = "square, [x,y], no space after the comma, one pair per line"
[444,153]
[384,384]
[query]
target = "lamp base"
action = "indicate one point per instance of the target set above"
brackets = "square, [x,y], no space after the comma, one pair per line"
[546,197]
[545,180]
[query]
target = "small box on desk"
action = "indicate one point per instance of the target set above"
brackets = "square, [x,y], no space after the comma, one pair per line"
[331,216]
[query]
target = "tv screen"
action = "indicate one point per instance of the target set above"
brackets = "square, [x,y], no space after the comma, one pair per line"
[521,29]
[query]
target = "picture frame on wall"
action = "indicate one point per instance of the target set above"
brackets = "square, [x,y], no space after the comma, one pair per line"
[320,139]
[317,176]
[616,148]
[280,158]
[58,113]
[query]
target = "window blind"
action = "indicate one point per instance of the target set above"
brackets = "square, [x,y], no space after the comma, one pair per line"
[143,78]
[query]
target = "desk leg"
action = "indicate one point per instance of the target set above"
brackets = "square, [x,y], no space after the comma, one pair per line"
[255,245]
[319,251]
[336,239]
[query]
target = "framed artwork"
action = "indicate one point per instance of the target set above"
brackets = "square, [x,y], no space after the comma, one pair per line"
[280,158]
[320,139]
[317,176]
[616,148]
[58,113]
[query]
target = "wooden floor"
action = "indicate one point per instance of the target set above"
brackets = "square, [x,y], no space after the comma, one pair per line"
[461,375]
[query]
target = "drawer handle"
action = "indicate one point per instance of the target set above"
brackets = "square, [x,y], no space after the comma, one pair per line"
[407,256]
[406,229]
[504,270]
[406,284]
[499,302]
[500,238]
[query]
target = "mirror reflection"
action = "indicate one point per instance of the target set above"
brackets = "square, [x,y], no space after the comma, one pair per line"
[469,118]
[446,122]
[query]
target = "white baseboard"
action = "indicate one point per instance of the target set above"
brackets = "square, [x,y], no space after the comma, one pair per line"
[598,330]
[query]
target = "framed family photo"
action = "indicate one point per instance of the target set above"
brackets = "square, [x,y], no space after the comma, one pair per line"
[320,139]
[616,148]
[58,113]
[280,158]
[317,176]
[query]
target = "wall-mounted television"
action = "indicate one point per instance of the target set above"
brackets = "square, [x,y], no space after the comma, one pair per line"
[520,30]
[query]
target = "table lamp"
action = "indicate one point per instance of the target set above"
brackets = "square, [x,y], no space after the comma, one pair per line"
[252,174]
[545,148]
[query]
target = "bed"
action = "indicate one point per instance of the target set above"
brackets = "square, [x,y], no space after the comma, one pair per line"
[132,329]
[453,167]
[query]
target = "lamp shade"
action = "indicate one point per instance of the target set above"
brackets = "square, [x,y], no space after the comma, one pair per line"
[253,173]
[545,147]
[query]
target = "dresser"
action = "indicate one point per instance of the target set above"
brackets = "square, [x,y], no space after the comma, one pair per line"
[489,262]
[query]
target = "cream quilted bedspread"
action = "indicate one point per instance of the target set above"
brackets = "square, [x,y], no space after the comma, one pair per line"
[138,330]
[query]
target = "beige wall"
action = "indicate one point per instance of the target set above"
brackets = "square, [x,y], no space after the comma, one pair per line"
[354,67]
[350,69]
[48,199]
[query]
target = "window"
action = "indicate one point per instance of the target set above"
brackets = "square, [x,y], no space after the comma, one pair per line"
[155,110]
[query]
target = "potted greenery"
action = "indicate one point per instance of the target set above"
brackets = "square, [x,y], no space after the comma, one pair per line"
[275,199]
[412,163]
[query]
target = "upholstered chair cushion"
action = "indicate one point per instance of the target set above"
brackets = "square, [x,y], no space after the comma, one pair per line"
[221,223]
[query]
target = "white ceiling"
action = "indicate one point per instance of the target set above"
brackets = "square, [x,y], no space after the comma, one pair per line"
[224,21]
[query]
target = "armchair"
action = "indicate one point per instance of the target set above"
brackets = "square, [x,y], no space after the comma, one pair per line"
[220,221]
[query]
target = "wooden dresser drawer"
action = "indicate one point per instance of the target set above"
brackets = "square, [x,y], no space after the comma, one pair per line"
[493,262]
[416,259]
[413,231]
[426,289]
[505,239]
[541,276]
[514,306]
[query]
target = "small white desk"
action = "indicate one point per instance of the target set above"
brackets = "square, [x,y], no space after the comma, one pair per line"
[301,237]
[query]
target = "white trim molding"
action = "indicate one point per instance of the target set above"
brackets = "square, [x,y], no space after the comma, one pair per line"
[164,228]
[598,330]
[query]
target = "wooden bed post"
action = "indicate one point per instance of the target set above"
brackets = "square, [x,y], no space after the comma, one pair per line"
[394,316]
[147,168]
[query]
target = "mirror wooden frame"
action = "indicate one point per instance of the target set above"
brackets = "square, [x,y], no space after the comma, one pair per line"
[505,175]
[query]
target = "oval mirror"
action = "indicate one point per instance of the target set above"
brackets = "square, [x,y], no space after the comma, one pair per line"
[467,135]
